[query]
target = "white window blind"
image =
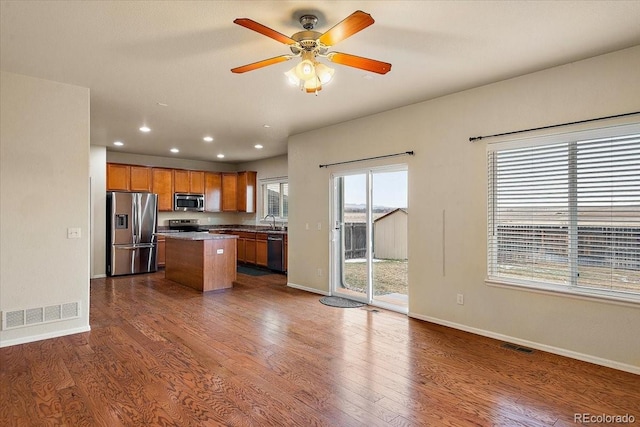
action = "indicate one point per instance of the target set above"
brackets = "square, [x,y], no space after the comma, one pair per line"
[567,213]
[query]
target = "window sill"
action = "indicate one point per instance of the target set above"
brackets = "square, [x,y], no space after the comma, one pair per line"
[596,295]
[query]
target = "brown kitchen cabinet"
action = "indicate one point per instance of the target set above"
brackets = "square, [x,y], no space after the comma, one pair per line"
[229,192]
[140,178]
[118,177]
[261,249]
[162,185]
[186,181]
[286,253]
[128,177]
[246,191]
[212,192]
[241,249]
[161,251]
[250,250]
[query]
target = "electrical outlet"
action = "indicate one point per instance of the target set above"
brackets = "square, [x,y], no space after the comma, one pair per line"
[319,226]
[319,272]
[73,233]
[306,226]
[460,299]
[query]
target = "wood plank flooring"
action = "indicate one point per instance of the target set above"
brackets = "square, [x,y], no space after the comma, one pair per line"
[263,354]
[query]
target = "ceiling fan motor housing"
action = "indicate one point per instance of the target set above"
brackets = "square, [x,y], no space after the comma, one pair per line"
[308,21]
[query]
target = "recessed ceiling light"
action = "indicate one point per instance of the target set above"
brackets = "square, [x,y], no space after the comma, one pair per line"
[367,77]
[220,156]
[266,126]
[208,138]
[161,104]
[174,150]
[118,143]
[258,146]
[145,129]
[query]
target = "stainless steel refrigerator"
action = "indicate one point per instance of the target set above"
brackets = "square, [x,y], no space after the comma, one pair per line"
[131,233]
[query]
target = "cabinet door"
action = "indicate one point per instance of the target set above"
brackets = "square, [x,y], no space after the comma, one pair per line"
[250,250]
[161,184]
[161,254]
[181,182]
[196,182]
[247,191]
[212,192]
[140,178]
[118,177]
[261,252]
[286,253]
[241,249]
[229,192]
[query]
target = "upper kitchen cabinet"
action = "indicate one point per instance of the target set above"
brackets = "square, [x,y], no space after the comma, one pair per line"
[247,182]
[140,179]
[118,177]
[212,192]
[128,178]
[229,192]
[162,185]
[185,181]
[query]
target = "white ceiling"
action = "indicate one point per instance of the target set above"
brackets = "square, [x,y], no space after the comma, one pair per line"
[136,54]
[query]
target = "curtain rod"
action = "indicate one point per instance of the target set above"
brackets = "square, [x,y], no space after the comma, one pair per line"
[406,153]
[478,138]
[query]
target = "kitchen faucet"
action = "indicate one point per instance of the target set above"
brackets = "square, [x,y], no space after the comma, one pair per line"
[273,226]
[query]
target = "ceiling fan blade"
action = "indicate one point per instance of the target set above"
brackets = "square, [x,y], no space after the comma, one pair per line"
[266,31]
[359,62]
[353,23]
[260,64]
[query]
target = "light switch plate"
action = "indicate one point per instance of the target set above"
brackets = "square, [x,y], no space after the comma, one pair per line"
[219,251]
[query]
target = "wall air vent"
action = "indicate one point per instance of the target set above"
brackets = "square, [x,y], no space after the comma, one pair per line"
[40,315]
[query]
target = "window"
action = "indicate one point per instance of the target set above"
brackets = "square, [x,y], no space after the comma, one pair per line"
[275,195]
[564,212]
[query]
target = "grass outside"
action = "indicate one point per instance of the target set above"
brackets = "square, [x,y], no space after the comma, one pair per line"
[389,276]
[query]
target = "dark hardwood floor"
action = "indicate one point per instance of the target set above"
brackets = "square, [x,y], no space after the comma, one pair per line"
[263,354]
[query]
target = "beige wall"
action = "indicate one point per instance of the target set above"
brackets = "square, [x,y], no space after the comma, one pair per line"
[447,179]
[44,189]
[98,171]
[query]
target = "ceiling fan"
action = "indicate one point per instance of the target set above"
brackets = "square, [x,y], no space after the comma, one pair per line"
[310,74]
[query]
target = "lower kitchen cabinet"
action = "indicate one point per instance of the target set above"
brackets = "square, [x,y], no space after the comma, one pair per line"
[250,250]
[261,249]
[160,254]
[286,253]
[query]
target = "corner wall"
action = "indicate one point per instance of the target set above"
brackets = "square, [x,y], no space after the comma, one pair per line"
[44,190]
[448,179]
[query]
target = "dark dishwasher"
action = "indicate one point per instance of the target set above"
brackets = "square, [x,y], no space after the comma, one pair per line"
[275,252]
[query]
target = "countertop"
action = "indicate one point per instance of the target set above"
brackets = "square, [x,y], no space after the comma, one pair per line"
[248,229]
[197,235]
[164,231]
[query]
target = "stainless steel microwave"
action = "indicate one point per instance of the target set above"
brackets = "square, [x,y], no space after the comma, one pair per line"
[188,202]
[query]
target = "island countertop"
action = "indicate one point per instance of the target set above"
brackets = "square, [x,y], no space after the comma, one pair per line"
[197,235]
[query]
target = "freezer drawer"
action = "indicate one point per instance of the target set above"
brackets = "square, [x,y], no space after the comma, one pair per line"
[130,259]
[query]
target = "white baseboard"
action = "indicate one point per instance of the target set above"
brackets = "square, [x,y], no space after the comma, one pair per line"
[543,347]
[305,288]
[34,338]
[99,276]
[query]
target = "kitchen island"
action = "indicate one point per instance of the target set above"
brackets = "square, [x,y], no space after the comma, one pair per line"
[201,260]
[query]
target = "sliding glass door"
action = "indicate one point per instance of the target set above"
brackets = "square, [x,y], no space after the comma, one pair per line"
[369,243]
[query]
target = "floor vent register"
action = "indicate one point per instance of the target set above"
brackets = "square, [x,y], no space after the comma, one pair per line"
[39,315]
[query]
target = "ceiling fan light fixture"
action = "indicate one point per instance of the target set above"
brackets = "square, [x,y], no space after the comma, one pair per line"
[313,86]
[324,73]
[305,70]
